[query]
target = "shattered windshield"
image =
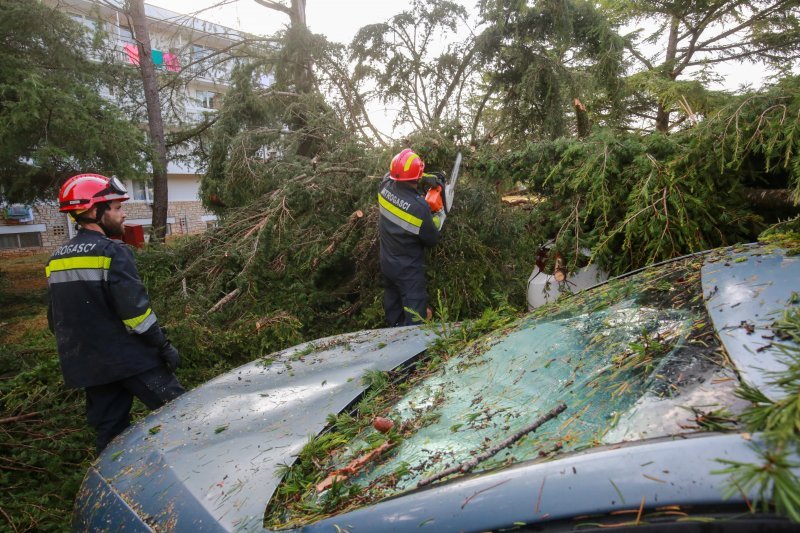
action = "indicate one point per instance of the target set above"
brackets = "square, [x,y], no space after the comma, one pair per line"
[635,358]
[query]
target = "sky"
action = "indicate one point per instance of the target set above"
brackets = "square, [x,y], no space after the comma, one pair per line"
[338,20]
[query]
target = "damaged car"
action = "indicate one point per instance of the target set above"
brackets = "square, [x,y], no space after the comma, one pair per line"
[622,406]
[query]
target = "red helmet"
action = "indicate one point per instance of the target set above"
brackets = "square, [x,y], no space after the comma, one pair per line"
[82,192]
[406,166]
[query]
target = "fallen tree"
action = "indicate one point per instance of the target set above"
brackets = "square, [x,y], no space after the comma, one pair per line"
[300,261]
[635,199]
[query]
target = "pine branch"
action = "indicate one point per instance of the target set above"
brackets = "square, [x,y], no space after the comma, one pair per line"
[224,301]
[19,418]
[270,4]
[466,466]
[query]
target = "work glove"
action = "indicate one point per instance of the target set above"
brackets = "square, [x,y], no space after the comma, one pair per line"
[170,355]
[155,336]
[441,178]
[438,218]
[429,181]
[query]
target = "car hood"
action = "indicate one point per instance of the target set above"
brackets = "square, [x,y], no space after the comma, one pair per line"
[210,459]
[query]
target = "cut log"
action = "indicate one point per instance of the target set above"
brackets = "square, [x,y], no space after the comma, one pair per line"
[224,301]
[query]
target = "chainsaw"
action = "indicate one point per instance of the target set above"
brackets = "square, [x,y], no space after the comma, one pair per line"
[441,196]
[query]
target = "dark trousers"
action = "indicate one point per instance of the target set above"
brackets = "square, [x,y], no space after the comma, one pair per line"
[108,407]
[402,293]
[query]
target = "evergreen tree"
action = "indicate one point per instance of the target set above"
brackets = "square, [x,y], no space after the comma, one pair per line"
[404,58]
[54,121]
[547,59]
[635,199]
[679,43]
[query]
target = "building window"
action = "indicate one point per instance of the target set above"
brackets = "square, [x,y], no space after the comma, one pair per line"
[200,52]
[13,241]
[207,99]
[89,23]
[125,35]
[200,65]
[142,191]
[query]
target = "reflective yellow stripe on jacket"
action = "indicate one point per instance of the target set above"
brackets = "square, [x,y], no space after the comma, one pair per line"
[403,219]
[72,263]
[93,268]
[141,323]
[81,268]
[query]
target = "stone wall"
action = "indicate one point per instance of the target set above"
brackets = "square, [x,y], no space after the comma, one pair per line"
[55,232]
[187,216]
[187,220]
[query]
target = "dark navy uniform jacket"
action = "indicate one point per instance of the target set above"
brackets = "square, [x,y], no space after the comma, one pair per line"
[99,311]
[406,227]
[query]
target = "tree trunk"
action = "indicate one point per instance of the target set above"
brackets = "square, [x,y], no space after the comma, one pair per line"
[582,119]
[155,121]
[662,114]
[302,74]
[770,198]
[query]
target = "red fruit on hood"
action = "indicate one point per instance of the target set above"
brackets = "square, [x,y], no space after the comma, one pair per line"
[382,424]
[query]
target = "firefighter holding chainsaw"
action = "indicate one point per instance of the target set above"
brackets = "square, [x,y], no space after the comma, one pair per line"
[109,340]
[408,224]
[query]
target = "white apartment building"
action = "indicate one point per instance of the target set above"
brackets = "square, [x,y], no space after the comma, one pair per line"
[180,44]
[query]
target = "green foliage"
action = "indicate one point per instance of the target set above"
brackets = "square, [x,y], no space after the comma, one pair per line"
[403,58]
[301,256]
[785,234]
[252,151]
[46,453]
[635,199]
[452,336]
[773,480]
[46,444]
[719,420]
[54,120]
[779,419]
[778,422]
[543,55]
[676,46]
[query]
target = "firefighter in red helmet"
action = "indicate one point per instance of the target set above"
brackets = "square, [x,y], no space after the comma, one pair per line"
[407,226]
[109,340]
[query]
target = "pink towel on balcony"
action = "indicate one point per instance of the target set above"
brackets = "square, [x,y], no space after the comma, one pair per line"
[132,51]
[172,63]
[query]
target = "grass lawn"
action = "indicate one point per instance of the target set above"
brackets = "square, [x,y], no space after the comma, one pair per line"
[45,446]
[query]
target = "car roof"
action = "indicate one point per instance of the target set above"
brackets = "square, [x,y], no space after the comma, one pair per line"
[746,290]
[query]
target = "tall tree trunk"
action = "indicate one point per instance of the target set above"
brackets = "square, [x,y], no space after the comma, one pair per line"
[155,121]
[662,114]
[305,75]
[302,74]
[581,119]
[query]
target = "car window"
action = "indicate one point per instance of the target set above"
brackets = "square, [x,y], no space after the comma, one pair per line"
[629,359]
